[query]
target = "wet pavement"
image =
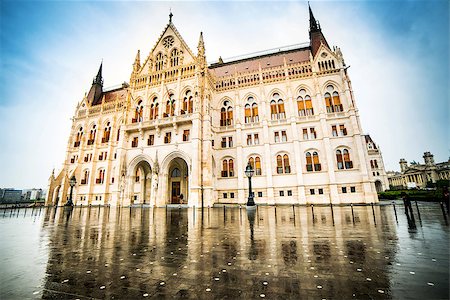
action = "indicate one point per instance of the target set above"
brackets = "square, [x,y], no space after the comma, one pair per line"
[225,253]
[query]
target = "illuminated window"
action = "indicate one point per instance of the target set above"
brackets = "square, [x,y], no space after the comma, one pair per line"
[343,159]
[251,111]
[138,112]
[226,114]
[188,103]
[277,111]
[312,162]
[332,100]
[227,168]
[106,133]
[283,165]
[154,109]
[170,106]
[304,104]
[255,162]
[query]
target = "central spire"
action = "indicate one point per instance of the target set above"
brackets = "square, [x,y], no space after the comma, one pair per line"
[313,24]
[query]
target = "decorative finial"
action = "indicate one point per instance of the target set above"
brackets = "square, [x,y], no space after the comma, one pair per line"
[170,15]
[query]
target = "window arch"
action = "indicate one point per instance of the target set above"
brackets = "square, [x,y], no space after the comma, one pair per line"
[92,134]
[154,109]
[138,112]
[313,162]
[101,176]
[175,173]
[283,165]
[343,159]
[332,100]
[174,57]
[159,62]
[255,162]
[106,133]
[85,178]
[188,103]
[304,104]
[226,114]
[170,106]
[78,137]
[277,107]
[251,111]
[227,168]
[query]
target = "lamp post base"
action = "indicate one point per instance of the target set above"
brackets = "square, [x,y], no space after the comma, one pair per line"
[250,207]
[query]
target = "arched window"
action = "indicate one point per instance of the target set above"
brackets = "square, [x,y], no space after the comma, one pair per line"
[85,178]
[78,137]
[313,162]
[226,114]
[343,159]
[106,133]
[175,173]
[188,103]
[375,164]
[255,162]
[159,62]
[332,100]
[283,165]
[251,111]
[154,109]
[371,164]
[227,168]
[92,134]
[277,107]
[101,177]
[174,57]
[304,104]
[137,175]
[170,106]
[138,112]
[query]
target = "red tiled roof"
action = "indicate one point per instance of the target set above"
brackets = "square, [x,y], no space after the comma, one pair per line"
[266,61]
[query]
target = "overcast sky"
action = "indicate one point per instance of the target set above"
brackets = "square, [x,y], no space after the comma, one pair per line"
[398,52]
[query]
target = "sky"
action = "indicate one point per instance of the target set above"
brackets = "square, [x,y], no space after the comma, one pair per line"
[398,53]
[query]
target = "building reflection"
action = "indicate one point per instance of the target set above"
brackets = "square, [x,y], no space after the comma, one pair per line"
[181,252]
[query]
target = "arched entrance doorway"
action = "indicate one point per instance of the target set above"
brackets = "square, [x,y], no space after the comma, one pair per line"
[178,181]
[378,186]
[141,183]
[56,196]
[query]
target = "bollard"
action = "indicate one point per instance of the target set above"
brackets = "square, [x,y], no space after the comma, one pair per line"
[276,214]
[224,213]
[373,212]
[395,211]
[444,213]
[418,212]
[312,210]
[332,213]
[353,214]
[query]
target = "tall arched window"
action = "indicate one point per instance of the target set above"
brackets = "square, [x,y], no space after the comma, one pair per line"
[106,133]
[101,177]
[137,175]
[85,178]
[226,114]
[174,57]
[175,173]
[159,62]
[78,137]
[255,162]
[188,103]
[251,111]
[312,162]
[154,109]
[283,165]
[92,134]
[332,100]
[343,159]
[304,104]
[138,112]
[277,107]
[170,106]
[227,168]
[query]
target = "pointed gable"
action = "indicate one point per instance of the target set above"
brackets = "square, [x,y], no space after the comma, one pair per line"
[169,43]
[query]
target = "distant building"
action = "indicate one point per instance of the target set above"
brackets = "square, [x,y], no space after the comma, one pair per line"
[418,175]
[375,160]
[10,195]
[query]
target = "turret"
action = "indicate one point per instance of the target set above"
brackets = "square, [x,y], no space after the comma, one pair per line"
[95,93]
[403,165]
[316,36]
[137,62]
[201,57]
[428,158]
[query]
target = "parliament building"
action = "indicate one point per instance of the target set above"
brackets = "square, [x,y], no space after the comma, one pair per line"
[183,130]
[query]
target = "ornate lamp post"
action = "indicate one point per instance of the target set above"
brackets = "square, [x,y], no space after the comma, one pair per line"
[72,183]
[249,173]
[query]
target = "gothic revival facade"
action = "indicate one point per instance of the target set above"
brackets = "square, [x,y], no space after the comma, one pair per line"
[184,131]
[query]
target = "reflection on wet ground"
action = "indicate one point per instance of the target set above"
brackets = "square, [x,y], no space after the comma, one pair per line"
[273,252]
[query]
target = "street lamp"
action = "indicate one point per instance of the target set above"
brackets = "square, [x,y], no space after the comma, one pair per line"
[249,173]
[72,183]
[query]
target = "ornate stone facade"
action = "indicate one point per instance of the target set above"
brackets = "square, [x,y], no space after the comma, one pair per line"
[183,131]
[418,175]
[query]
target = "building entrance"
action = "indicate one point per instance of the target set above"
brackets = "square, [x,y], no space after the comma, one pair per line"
[176,191]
